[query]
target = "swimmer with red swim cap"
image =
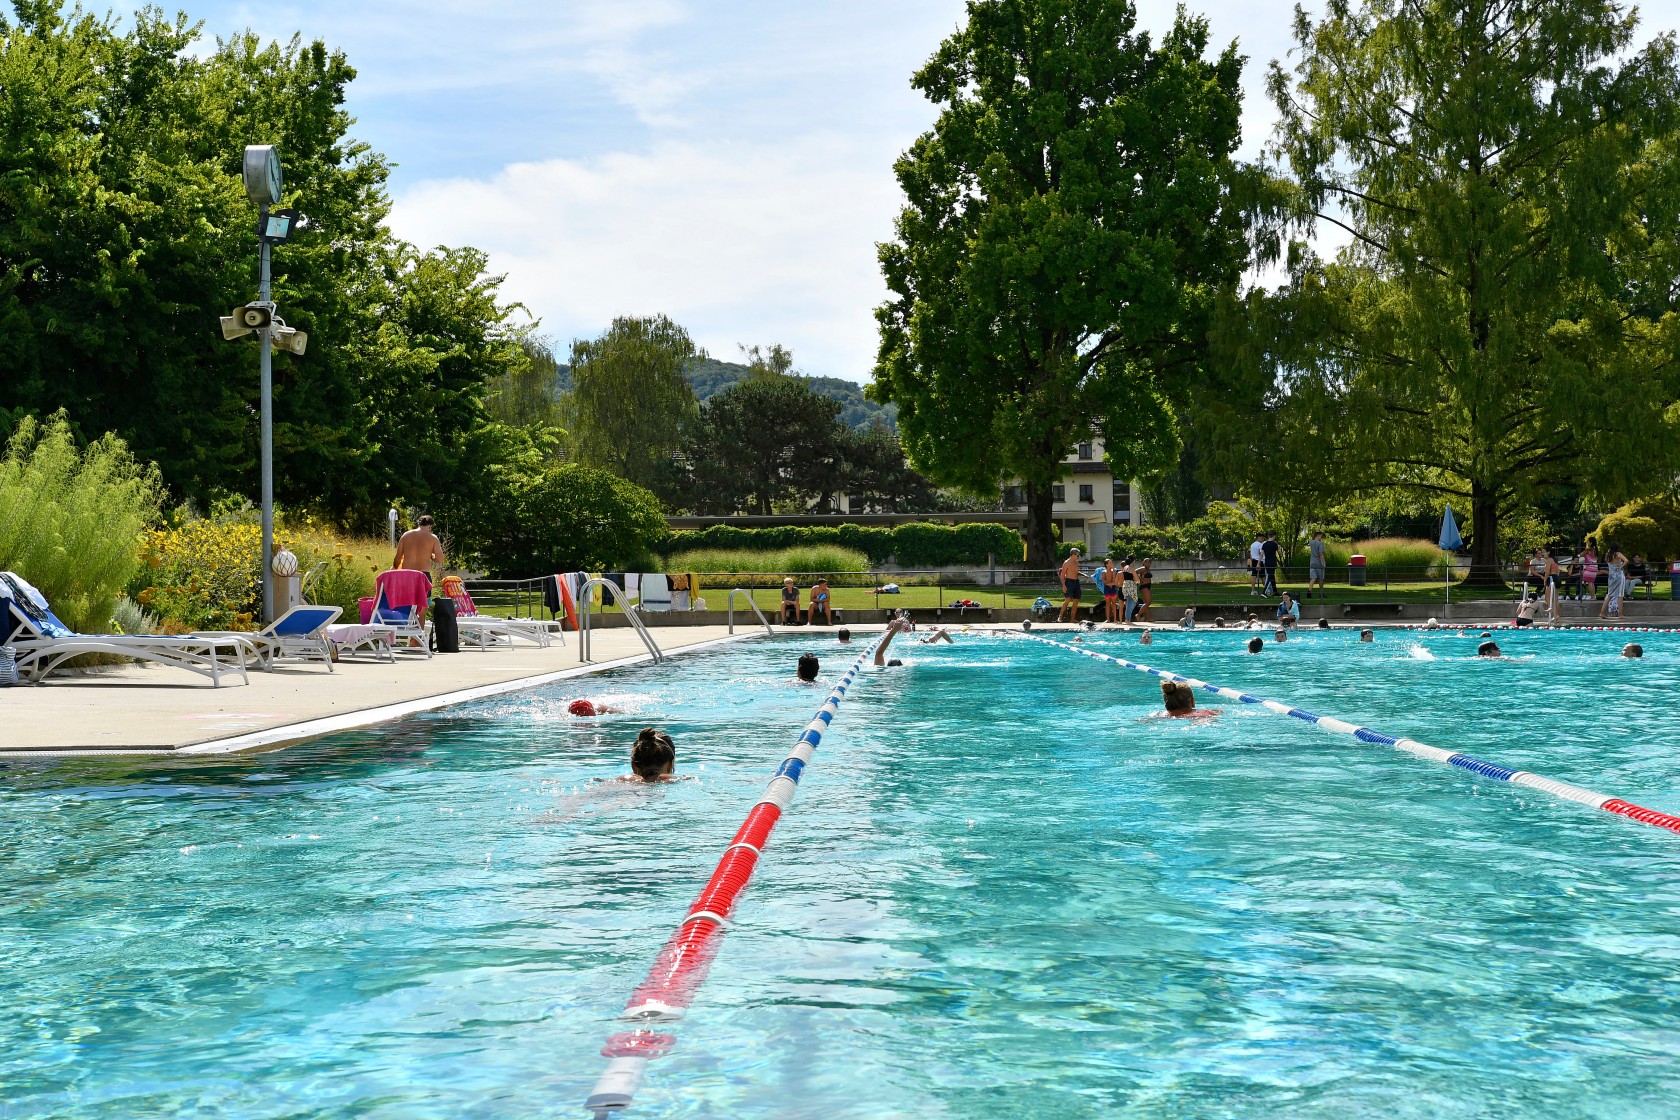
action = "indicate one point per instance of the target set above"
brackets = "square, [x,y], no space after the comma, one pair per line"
[586,708]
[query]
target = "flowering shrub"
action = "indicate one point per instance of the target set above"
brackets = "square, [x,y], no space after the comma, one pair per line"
[202,574]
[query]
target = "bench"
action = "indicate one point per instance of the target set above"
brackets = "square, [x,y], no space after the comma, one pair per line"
[1371,610]
[962,612]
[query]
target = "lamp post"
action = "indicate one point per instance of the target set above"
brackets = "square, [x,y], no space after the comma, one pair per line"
[262,186]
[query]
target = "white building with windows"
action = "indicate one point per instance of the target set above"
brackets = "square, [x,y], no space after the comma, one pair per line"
[1089,501]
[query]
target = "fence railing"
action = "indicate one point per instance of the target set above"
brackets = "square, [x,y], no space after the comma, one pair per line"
[1229,586]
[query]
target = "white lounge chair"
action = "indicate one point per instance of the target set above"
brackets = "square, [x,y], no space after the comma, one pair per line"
[298,635]
[42,642]
[487,629]
[408,634]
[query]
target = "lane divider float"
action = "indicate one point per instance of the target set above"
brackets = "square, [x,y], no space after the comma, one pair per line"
[1551,786]
[671,984]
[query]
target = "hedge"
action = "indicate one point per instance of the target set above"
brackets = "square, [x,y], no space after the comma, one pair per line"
[919,544]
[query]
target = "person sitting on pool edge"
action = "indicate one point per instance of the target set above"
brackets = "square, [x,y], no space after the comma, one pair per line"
[1633,649]
[790,602]
[1255,645]
[653,758]
[1180,700]
[1288,611]
[808,668]
[820,602]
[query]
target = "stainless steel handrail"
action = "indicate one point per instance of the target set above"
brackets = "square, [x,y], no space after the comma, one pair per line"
[630,613]
[750,603]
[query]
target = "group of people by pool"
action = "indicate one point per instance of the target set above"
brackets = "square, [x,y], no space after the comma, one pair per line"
[1580,576]
[1127,590]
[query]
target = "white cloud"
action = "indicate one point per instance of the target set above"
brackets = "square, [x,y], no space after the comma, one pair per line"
[746,243]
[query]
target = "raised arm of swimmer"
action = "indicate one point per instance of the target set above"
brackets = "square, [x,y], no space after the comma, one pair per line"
[893,628]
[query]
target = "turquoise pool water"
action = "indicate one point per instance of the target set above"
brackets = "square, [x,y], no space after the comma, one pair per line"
[1003,890]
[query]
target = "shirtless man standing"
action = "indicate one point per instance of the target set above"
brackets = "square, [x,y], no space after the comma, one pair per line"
[419,549]
[1070,588]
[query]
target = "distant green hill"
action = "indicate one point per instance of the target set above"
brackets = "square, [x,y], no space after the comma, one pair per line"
[710,377]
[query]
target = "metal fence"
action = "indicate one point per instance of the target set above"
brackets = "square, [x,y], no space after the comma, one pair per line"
[1231,587]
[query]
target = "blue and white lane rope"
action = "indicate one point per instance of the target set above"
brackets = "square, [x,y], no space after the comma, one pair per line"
[1551,786]
[677,973]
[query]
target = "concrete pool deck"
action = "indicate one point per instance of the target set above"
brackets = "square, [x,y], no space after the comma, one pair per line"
[141,710]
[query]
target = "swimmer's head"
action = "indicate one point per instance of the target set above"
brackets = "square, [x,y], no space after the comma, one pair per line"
[1280,635]
[1146,639]
[581,708]
[1087,625]
[1367,636]
[1324,624]
[1633,649]
[1219,621]
[844,634]
[1177,696]
[1255,645]
[653,755]
[1432,624]
[808,667]
[1026,624]
[893,663]
[1488,649]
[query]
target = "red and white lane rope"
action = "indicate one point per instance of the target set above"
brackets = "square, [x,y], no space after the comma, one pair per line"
[681,967]
[1562,790]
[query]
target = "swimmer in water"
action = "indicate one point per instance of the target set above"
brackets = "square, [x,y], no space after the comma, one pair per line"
[586,708]
[939,634]
[1255,645]
[1280,635]
[1146,639]
[1324,624]
[808,668]
[1367,636]
[653,758]
[894,628]
[1488,649]
[1180,700]
[1633,649]
[844,635]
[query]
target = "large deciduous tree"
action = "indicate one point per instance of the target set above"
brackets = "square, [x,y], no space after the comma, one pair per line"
[1066,222]
[1502,317]
[629,398]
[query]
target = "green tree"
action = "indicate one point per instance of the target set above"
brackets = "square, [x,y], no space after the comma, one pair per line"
[629,398]
[564,517]
[528,394]
[876,471]
[1502,319]
[762,442]
[124,233]
[1067,220]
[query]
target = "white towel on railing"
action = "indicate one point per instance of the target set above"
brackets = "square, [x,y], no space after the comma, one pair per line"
[632,586]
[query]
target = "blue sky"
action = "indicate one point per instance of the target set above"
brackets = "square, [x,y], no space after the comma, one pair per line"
[726,163]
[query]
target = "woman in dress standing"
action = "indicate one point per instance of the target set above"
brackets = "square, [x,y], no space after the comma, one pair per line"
[1617,563]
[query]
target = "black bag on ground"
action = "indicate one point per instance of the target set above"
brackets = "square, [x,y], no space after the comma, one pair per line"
[446,635]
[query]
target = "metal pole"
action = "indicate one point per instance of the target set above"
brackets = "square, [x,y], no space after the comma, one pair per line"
[263,343]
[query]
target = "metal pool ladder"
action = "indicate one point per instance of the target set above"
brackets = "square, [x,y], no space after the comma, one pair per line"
[750,603]
[630,612]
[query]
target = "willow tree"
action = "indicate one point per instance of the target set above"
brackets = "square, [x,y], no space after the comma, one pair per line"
[630,397]
[1065,221]
[1501,319]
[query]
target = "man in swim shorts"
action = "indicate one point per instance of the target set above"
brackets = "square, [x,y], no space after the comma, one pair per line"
[1315,563]
[1070,588]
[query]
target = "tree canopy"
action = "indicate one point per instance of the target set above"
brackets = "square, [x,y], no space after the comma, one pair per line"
[1067,222]
[1501,319]
[125,233]
[629,399]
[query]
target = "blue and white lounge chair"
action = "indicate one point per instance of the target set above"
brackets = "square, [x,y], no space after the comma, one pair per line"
[656,593]
[43,642]
[298,635]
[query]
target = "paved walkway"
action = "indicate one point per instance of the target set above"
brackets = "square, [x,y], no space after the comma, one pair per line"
[149,709]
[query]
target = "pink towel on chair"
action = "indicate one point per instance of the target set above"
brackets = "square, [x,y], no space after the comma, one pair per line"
[405,587]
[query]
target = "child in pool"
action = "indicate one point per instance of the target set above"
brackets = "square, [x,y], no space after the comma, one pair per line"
[653,758]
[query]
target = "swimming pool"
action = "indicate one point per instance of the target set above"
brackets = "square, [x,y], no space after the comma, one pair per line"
[1002,890]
